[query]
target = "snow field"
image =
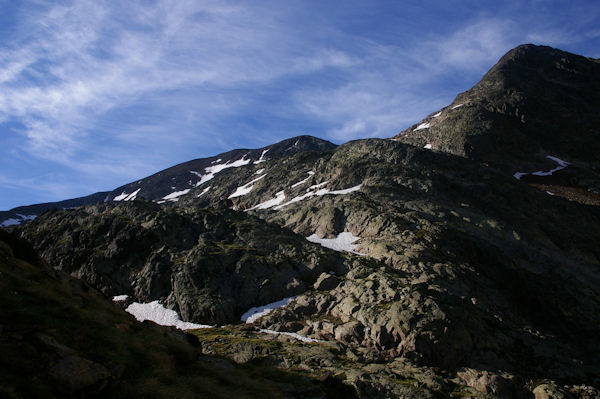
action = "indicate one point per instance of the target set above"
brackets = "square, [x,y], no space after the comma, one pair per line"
[257,312]
[246,188]
[561,165]
[422,126]
[157,313]
[343,242]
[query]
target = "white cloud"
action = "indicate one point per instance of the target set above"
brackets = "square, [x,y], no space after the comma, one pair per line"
[116,90]
[90,59]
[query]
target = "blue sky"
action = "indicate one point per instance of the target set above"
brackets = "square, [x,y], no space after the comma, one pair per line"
[95,94]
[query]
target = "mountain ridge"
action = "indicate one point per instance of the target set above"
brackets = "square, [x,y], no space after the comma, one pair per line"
[445,271]
[171,180]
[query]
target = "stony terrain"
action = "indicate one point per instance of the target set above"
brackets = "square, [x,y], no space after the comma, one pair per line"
[536,101]
[472,267]
[60,337]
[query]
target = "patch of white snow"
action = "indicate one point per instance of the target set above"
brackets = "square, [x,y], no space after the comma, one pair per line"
[262,157]
[342,192]
[132,196]
[119,298]
[121,197]
[422,126]
[290,334]
[303,181]
[12,221]
[317,185]
[157,313]
[174,196]
[457,106]
[279,198]
[343,242]
[246,188]
[561,165]
[438,114]
[428,146]
[257,312]
[211,171]
[204,191]
[258,172]
[321,192]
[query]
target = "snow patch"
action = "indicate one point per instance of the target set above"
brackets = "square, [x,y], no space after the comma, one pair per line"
[157,313]
[457,106]
[121,196]
[518,175]
[422,126]
[132,196]
[245,189]
[317,185]
[427,146]
[262,157]
[303,181]
[279,198]
[343,242]
[561,165]
[257,312]
[321,192]
[342,192]
[174,196]
[438,114]
[258,172]
[211,171]
[203,192]
[290,334]
[119,298]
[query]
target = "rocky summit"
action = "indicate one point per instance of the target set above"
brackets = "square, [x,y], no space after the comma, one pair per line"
[457,259]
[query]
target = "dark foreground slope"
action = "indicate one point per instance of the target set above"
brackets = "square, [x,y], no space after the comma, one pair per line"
[61,338]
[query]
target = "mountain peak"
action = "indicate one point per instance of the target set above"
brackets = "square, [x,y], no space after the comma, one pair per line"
[535,101]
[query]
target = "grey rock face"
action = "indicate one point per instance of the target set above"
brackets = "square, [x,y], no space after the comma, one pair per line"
[210,265]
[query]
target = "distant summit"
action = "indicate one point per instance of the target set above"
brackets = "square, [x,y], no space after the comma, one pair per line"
[170,184]
[535,101]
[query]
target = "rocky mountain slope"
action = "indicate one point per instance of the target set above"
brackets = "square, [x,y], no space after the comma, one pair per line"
[60,337]
[406,271]
[169,184]
[536,101]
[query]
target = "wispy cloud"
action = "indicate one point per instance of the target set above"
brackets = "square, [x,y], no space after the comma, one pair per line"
[111,91]
[86,59]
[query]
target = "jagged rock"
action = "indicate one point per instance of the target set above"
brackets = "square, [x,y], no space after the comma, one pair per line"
[550,391]
[497,385]
[351,332]
[326,281]
[212,266]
